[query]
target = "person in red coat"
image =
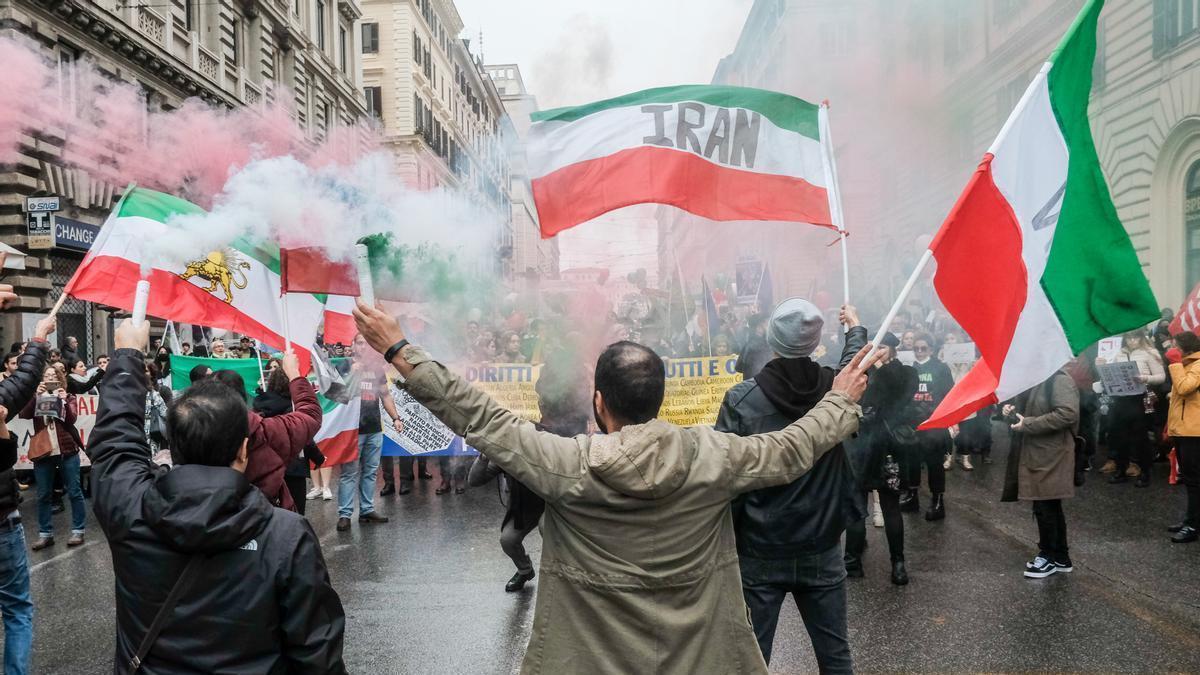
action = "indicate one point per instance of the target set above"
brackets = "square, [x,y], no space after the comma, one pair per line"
[276,441]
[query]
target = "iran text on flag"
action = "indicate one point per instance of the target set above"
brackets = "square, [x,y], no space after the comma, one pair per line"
[338,437]
[236,288]
[1033,261]
[722,153]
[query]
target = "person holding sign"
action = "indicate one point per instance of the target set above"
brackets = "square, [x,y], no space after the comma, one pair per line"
[54,447]
[1130,414]
[639,565]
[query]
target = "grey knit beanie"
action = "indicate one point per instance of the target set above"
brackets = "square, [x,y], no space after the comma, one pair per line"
[795,328]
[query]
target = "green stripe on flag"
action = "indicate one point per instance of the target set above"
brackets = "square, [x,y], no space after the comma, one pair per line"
[1093,277]
[143,203]
[785,112]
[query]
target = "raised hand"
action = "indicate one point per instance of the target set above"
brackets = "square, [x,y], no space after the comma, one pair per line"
[852,380]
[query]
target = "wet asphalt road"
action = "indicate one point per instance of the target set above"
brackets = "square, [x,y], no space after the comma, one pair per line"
[424,593]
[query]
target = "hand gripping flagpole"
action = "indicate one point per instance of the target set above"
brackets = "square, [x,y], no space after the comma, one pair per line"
[835,193]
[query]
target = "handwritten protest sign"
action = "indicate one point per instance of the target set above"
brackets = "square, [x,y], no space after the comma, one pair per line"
[1121,379]
[961,354]
[22,430]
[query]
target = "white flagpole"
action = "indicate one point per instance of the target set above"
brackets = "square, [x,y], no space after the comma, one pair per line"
[835,193]
[287,329]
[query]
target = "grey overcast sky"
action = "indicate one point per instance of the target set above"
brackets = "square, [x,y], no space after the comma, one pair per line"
[575,51]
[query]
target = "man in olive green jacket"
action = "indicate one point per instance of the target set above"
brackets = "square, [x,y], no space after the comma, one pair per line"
[639,566]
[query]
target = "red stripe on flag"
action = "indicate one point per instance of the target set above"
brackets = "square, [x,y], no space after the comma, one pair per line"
[339,328]
[309,270]
[651,175]
[112,281]
[340,448]
[982,281]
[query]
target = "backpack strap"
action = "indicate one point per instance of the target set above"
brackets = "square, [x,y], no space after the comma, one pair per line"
[185,579]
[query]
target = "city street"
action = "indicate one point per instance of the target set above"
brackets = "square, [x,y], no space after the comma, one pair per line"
[424,593]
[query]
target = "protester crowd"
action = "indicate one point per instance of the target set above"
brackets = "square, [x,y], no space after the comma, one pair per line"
[186,474]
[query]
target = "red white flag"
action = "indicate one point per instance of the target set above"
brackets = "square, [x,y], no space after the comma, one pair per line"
[309,270]
[1187,319]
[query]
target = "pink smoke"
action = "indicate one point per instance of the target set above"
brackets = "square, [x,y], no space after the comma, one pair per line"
[106,128]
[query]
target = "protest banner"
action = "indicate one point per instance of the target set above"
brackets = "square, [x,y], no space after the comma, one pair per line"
[694,390]
[1108,349]
[22,430]
[1121,379]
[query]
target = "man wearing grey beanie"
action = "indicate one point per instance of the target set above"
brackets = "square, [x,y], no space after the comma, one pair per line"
[789,537]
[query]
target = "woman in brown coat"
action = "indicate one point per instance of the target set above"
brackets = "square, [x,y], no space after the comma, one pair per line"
[1041,465]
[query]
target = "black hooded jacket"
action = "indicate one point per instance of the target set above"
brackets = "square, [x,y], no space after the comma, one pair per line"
[808,515]
[15,392]
[262,602]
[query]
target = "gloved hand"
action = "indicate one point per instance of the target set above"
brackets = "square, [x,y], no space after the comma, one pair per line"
[1174,355]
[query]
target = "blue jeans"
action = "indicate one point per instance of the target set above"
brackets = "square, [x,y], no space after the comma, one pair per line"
[359,476]
[43,471]
[817,583]
[15,604]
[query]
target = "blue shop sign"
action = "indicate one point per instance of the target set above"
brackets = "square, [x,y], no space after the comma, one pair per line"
[74,235]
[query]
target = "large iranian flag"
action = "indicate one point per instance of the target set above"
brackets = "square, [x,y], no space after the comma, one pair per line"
[236,288]
[1033,261]
[338,436]
[722,153]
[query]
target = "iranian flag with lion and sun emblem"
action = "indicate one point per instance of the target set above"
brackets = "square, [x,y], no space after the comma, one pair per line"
[236,288]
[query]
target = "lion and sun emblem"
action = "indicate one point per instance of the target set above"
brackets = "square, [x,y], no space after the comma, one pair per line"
[222,270]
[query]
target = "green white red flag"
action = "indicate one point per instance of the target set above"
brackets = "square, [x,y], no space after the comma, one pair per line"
[338,437]
[1033,261]
[236,288]
[722,153]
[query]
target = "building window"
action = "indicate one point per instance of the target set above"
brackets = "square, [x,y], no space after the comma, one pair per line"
[957,32]
[189,11]
[374,101]
[1174,22]
[1191,220]
[417,51]
[321,25]
[236,30]
[370,38]
[342,47]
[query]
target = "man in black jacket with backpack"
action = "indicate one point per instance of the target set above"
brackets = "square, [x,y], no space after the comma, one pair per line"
[789,537]
[210,577]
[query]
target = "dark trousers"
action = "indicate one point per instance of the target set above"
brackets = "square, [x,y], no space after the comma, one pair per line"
[893,527]
[975,434]
[1129,433]
[1052,530]
[931,450]
[298,487]
[1187,452]
[817,583]
[387,464]
[512,541]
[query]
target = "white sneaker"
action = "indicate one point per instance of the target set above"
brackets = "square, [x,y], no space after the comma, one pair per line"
[878,519]
[949,463]
[314,493]
[876,510]
[966,463]
[326,494]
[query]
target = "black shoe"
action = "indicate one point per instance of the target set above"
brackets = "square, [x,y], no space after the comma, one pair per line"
[854,568]
[372,517]
[442,489]
[1176,527]
[1142,480]
[405,487]
[899,573]
[1040,568]
[425,475]
[387,491]
[1064,565]
[1118,477]
[343,524]
[1186,535]
[910,502]
[459,490]
[937,509]
[518,581]
[1080,478]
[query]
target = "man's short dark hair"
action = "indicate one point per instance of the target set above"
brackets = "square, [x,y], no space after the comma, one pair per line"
[11,355]
[632,380]
[231,379]
[207,425]
[200,372]
[1189,343]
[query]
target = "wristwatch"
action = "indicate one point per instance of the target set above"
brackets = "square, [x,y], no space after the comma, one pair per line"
[394,350]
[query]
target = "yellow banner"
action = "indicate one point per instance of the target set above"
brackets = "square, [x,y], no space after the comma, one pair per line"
[695,387]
